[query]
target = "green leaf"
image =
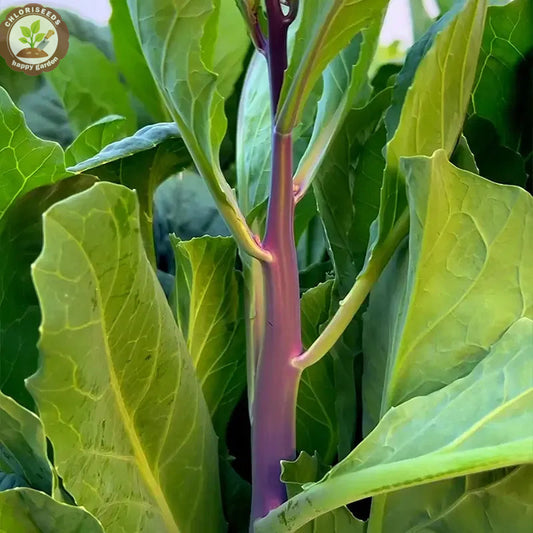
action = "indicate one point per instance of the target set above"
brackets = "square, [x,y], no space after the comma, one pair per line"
[420,18]
[27,163]
[476,423]
[86,97]
[429,103]
[463,157]
[95,138]
[116,390]
[132,63]
[316,423]
[503,83]
[489,501]
[141,162]
[307,469]
[463,244]
[326,28]
[209,313]
[345,84]
[25,31]
[32,511]
[23,446]
[231,46]
[347,188]
[495,161]
[36,26]
[39,37]
[459,243]
[181,61]
[23,40]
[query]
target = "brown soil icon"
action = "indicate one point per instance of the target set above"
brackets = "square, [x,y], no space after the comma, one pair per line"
[38,51]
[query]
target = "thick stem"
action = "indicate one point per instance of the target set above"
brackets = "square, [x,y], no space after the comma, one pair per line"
[276,385]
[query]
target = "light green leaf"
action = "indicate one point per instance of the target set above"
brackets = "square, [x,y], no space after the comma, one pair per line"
[27,163]
[479,422]
[326,27]
[504,78]
[463,237]
[420,19]
[466,232]
[116,390]
[32,511]
[345,84]
[141,162]
[36,26]
[132,63]
[231,46]
[209,313]
[23,446]
[25,31]
[316,423]
[23,40]
[94,138]
[490,501]
[307,469]
[430,100]
[86,97]
[178,42]
[39,37]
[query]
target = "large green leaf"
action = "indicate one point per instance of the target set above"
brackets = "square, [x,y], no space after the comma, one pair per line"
[466,232]
[27,163]
[430,99]
[326,27]
[476,423]
[95,138]
[31,511]
[209,313]
[116,390]
[86,97]
[141,162]
[463,237]
[504,84]
[316,423]
[178,41]
[23,447]
[132,63]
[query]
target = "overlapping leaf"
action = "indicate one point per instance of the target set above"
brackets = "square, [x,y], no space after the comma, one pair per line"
[116,390]
[86,97]
[430,99]
[23,448]
[209,313]
[32,511]
[326,27]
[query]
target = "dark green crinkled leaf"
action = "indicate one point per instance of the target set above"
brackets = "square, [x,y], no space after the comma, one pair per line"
[208,310]
[476,423]
[85,96]
[94,138]
[30,511]
[22,448]
[116,391]
[316,423]
[141,162]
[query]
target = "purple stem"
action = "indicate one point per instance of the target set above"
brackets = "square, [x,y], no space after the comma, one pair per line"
[276,381]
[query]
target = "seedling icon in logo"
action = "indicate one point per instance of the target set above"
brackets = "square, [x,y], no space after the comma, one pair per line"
[33,39]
